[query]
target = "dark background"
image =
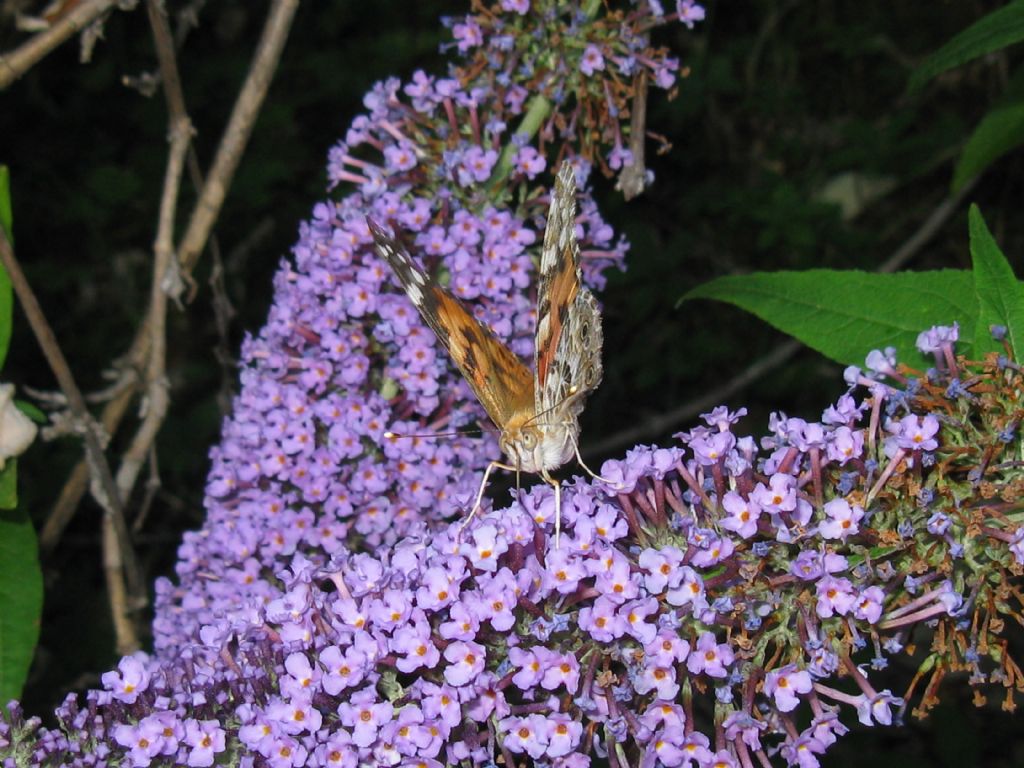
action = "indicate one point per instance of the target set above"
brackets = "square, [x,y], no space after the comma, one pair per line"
[782,97]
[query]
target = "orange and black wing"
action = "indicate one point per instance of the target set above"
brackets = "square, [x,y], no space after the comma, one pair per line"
[500,380]
[569,337]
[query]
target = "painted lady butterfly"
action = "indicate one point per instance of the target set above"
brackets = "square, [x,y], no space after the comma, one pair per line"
[537,413]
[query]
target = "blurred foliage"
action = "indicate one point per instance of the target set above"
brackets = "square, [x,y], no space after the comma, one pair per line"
[785,103]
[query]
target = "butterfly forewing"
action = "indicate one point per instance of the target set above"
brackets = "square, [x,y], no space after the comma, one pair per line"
[569,338]
[500,380]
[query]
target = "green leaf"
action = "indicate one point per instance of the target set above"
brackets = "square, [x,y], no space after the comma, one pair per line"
[999,131]
[34,413]
[990,33]
[844,315]
[9,485]
[6,213]
[1000,296]
[6,295]
[21,601]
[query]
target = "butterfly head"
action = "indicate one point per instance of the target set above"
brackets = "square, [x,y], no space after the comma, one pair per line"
[534,447]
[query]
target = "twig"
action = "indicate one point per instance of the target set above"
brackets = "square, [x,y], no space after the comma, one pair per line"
[222,309]
[663,422]
[223,312]
[77,483]
[633,178]
[19,61]
[152,486]
[163,264]
[113,569]
[163,42]
[54,398]
[928,228]
[236,135]
[103,488]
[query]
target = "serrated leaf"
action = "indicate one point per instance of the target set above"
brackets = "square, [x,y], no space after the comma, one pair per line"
[999,131]
[998,29]
[21,601]
[6,294]
[846,314]
[1000,296]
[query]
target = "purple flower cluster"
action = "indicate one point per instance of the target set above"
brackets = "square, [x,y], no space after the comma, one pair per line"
[565,74]
[697,612]
[701,605]
[344,359]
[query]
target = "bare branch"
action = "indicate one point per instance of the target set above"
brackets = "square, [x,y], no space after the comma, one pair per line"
[662,422]
[164,44]
[156,401]
[236,135]
[152,486]
[78,481]
[633,177]
[928,228]
[113,569]
[223,312]
[103,488]
[22,59]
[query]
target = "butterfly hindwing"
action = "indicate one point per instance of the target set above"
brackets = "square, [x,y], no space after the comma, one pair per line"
[500,380]
[569,337]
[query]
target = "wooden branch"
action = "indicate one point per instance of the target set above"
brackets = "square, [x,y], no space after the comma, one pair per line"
[662,422]
[207,208]
[236,135]
[633,177]
[163,265]
[22,59]
[163,42]
[126,639]
[152,486]
[155,379]
[103,488]
[78,481]
[110,417]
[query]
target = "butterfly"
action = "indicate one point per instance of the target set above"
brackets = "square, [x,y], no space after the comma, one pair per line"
[537,412]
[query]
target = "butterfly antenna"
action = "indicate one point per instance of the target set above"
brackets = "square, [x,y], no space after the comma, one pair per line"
[389,435]
[532,419]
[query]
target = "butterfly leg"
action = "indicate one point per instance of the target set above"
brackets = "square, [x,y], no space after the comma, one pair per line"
[589,471]
[558,505]
[480,494]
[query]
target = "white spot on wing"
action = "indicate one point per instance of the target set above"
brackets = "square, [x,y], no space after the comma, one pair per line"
[413,290]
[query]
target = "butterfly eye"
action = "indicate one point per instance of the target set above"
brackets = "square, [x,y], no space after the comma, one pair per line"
[529,440]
